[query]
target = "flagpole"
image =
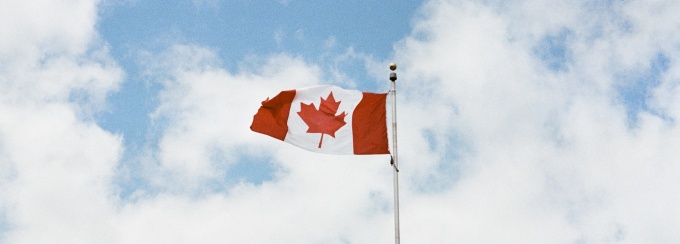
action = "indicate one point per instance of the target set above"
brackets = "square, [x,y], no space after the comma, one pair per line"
[394,162]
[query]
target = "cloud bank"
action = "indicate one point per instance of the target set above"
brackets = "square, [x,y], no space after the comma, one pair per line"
[533,108]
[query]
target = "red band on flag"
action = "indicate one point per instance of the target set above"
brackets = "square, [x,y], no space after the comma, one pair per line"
[272,117]
[369,125]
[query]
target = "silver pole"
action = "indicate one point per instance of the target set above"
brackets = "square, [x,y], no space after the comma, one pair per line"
[395,164]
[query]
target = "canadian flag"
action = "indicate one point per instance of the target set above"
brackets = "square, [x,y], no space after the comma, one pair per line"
[326,119]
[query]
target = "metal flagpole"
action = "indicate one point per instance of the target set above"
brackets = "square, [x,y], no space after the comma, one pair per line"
[394,162]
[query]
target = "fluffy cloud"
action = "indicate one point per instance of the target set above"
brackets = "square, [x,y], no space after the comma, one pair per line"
[205,111]
[203,118]
[57,164]
[547,147]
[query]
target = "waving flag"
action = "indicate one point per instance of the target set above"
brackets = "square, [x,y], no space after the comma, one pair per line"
[326,119]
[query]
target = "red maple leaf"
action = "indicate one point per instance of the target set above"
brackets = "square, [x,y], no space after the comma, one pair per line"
[323,120]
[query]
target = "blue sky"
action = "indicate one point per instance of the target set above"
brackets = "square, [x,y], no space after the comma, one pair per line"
[127,121]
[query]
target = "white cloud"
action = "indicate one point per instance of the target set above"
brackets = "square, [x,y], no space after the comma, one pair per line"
[204,116]
[315,202]
[52,27]
[58,188]
[57,164]
[548,156]
[207,111]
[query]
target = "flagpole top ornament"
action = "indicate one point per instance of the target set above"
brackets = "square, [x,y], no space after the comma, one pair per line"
[393,76]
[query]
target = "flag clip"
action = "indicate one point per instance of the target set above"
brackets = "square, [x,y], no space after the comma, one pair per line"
[392,163]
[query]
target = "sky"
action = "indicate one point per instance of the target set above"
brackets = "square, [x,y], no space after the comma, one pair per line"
[127,121]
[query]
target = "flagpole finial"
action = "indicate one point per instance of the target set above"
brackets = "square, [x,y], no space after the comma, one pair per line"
[393,76]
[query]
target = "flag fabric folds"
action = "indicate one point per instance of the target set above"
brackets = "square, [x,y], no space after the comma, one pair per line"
[326,119]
